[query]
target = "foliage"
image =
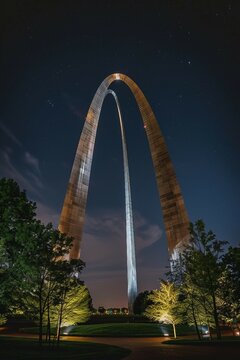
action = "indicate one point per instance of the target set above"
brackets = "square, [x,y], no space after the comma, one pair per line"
[164,307]
[34,272]
[141,302]
[101,310]
[3,319]
[194,307]
[74,307]
[17,216]
[201,268]
[229,293]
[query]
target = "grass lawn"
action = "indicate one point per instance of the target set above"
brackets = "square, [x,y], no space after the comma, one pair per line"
[28,349]
[128,330]
[225,341]
[121,330]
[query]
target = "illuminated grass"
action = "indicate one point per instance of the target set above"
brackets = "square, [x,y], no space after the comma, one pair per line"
[121,330]
[128,330]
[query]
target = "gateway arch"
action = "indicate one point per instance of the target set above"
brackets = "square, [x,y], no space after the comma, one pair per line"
[175,216]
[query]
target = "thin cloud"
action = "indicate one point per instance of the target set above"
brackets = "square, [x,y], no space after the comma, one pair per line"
[32,161]
[10,134]
[104,242]
[8,169]
[104,251]
[72,106]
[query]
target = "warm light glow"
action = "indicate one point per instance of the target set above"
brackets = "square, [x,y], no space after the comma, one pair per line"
[117,76]
[67,329]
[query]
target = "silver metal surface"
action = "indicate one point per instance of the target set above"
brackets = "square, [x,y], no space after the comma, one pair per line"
[131,257]
[174,212]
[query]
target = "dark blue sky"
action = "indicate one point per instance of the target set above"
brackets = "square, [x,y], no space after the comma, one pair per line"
[184,55]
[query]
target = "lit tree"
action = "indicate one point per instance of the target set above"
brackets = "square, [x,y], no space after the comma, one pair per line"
[194,306]
[33,272]
[229,293]
[202,264]
[73,308]
[164,307]
[46,273]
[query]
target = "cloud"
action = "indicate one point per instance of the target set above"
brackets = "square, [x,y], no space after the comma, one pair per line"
[28,173]
[32,161]
[108,227]
[104,251]
[10,134]
[71,104]
[25,178]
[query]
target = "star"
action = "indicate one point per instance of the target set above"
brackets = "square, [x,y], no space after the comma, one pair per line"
[50,103]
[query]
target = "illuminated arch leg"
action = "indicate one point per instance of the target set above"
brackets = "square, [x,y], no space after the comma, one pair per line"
[174,213]
[131,257]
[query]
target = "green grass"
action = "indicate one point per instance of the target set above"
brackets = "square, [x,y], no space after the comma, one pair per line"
[225,341]
[123,330]
[127,330]
[28,349]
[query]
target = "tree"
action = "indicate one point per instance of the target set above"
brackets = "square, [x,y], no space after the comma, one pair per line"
[229,293]
[193,306]
[202,264]
[164,307]
[17,215]
[141,302]
[33,269]
[49,273]
[101,310]
[73,308]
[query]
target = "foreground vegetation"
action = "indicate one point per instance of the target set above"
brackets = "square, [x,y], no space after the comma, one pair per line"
[203,286]
[28,349]
[37,280]
[40,284]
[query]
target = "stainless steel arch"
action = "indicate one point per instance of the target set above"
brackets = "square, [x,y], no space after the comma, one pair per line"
[174,212]
[131,257]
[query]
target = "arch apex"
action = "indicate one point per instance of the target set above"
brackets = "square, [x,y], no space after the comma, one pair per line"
[174,212]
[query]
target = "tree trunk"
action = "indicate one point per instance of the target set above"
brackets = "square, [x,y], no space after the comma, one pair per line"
[174,330]
[40,322]
[195,321]
[60,318]
[49,324]
[215,315]
[209,330]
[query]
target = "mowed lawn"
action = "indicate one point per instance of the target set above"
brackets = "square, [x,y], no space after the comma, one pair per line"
[127,329]
[122,330]
[28,349]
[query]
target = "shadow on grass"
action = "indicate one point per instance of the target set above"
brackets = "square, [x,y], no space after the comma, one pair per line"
[26,349]
[225,341]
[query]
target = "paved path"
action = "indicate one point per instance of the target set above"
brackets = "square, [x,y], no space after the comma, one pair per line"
[153,349]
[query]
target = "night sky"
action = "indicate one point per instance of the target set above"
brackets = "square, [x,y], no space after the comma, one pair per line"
[185,56]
